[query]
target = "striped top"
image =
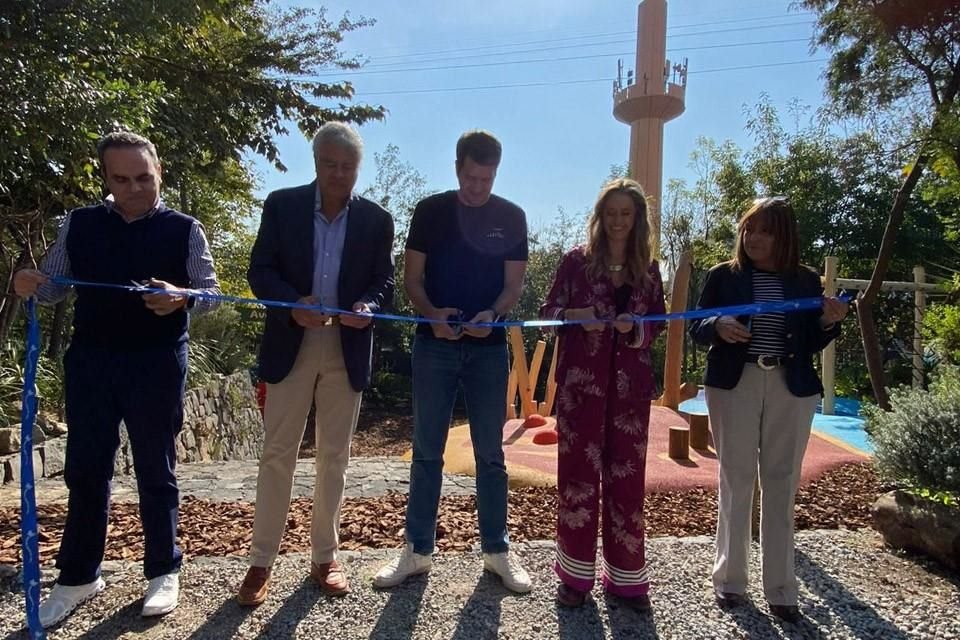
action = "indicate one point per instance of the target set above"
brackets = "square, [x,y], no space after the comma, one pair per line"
[767,330]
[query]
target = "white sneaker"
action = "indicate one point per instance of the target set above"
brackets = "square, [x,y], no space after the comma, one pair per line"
[508,568]
[402,567]
[162,595]
[63,600]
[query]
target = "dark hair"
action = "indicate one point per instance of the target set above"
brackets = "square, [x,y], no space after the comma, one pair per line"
[638,244]
[777,216]
[125,139]
[480,146]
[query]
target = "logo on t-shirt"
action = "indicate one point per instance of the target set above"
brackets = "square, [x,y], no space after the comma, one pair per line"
[496,233]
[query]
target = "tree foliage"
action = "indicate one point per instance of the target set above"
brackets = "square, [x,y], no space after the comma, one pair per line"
[211,82]
[902,56]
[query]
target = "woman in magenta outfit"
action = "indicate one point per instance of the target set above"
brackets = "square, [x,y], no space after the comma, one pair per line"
[605,385]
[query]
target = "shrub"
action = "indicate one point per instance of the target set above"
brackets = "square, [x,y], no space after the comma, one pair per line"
[49,384]
[918,442]
[941,327]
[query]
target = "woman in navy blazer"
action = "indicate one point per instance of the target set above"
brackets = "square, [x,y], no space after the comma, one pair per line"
[762,391]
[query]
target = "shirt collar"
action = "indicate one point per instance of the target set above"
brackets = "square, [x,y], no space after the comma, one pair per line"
[318,206]
[112,206]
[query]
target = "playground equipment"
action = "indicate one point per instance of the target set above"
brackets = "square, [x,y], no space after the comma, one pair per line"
[523,382]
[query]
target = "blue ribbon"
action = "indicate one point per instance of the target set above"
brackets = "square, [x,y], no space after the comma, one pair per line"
[28,503]
[786,306]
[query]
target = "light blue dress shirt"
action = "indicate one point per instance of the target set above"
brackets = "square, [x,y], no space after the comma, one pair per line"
[328,239]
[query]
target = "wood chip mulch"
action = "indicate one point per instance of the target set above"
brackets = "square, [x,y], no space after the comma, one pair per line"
[839,499]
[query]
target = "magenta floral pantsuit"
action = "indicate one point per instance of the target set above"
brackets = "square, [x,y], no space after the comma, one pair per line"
[605,385]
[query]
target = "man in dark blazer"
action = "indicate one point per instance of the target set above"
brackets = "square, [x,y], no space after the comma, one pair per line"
[318,244]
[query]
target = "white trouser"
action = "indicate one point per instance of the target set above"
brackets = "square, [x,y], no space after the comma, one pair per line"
[758,424]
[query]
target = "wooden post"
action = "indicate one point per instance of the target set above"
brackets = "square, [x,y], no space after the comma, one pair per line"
[679,448]
[546,407]
[919,307]
[675,332]
[512,393]
[699,431]
[523,376]
[535,373]
[828,357]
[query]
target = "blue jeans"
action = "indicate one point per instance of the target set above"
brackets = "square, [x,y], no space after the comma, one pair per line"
[439,367]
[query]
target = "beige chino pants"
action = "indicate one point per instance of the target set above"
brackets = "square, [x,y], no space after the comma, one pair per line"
[758,425]
[318,376]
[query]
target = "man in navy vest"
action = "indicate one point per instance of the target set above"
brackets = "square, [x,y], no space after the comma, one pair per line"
[318,244]
[465,259]
[127,361]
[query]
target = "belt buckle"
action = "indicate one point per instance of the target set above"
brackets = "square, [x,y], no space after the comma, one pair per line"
[762,363]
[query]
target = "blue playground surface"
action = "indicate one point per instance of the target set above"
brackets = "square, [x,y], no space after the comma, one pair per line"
[846,425]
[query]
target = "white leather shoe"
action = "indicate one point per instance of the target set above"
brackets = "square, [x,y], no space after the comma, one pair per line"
[508,568]
[64,599]
[163,593]
[402,567]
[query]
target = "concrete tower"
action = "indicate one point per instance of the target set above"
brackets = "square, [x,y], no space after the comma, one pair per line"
[652,96]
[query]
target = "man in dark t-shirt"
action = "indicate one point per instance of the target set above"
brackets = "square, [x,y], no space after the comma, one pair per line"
[466,255]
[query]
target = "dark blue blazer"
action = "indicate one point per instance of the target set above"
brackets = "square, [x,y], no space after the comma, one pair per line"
[726,286]
[281,268]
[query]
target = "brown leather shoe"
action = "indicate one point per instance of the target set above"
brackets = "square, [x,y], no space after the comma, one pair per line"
[331,578]
[255,585]
[786,612]
[728,600]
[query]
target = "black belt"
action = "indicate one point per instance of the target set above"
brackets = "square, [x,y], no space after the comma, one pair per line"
[766,362]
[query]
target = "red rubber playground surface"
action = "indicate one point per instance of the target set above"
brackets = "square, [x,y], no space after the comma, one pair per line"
[536,464]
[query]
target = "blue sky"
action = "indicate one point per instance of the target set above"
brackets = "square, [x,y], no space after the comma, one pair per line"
[558,133]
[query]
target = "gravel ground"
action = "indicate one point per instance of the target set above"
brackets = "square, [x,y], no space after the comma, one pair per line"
[850,588]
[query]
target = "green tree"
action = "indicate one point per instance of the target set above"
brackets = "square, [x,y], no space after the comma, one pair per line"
[208,81]
[903,56]
[398,186]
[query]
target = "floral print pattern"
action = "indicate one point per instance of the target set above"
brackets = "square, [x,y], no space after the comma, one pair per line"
[605,385]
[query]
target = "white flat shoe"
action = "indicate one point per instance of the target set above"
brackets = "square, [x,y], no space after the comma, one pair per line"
[163,593]
[64,599]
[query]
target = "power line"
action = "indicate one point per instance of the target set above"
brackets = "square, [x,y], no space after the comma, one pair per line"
[364,94]
[591,35]
[554,40]
[376,68]
[757,66]
[477,65]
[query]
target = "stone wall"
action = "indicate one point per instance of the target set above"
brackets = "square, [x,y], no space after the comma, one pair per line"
[221,422]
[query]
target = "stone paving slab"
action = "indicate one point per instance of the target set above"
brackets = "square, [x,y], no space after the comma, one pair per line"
[237,481]
[850,588]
